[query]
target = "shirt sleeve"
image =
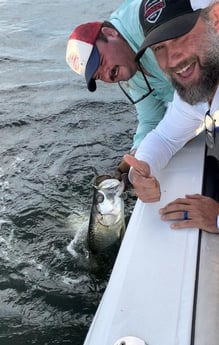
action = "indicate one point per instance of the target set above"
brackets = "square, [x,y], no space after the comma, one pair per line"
[181,123]
[150,110]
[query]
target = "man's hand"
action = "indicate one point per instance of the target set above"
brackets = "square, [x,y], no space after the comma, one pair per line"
[122,168]
[122,171]
[201,210]
[146,186]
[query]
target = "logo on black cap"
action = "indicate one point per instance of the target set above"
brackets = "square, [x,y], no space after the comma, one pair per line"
[153,10]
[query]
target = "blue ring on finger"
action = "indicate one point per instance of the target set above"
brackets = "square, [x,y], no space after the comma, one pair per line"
[185,215]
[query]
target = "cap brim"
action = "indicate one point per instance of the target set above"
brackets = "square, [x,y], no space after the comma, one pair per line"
[174,28]
[91,68]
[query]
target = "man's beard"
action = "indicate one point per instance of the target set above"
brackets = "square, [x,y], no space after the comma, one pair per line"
[203,89]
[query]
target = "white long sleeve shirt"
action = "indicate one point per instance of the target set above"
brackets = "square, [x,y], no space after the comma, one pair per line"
[181,123]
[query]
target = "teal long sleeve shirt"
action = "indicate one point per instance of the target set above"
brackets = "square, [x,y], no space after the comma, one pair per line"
[152,108]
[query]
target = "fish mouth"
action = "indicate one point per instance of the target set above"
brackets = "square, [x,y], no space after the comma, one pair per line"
[99,179]
[107,182]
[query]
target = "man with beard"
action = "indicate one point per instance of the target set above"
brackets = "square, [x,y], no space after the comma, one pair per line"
[186,45]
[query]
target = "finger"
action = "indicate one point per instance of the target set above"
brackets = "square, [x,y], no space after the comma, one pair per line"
[126,181]
[194,196]
[147,189]
[176,215]
[153,198]
[173,208]
[182,225]
[149,197]
[123,167]
[139,166]
[118,175]
[176,205]
[145,182]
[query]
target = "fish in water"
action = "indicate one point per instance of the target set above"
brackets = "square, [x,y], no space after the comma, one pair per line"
[107,221]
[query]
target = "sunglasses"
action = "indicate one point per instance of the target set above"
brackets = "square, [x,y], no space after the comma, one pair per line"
[124,87]
[210,128]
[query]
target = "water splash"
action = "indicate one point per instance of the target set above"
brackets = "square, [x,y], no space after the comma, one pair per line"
[78,245]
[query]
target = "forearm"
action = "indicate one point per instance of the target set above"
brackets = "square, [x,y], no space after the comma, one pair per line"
[149,113]
[173,132]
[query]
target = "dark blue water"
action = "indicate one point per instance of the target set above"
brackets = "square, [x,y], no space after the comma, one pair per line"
[54,137]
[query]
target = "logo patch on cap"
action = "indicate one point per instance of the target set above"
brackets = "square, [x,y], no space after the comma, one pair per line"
[78,54]
[153,10]
[73,57]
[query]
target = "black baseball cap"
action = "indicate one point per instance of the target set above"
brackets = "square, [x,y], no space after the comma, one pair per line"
[163,20]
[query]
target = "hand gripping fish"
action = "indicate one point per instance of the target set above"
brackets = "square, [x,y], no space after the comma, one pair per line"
[107,222]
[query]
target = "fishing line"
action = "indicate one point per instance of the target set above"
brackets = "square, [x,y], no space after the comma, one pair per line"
[85,143]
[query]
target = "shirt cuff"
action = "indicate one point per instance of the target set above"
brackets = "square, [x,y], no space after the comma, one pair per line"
[218,221]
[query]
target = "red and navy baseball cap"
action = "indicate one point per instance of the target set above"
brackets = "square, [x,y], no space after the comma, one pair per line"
[163,20]
[82,54]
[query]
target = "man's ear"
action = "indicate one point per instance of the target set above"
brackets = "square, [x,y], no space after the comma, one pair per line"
[109,32]
[214,15]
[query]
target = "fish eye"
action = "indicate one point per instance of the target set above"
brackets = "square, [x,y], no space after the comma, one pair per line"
[99,197]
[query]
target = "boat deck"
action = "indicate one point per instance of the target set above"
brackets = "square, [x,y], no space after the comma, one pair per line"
[153,287]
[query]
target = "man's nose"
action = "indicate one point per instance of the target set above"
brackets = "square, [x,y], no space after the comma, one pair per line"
[174,53]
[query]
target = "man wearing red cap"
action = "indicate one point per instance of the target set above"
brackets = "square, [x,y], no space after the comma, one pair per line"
[185,41]
[106,51]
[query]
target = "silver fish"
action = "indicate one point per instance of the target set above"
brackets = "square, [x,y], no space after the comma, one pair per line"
[107,221]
